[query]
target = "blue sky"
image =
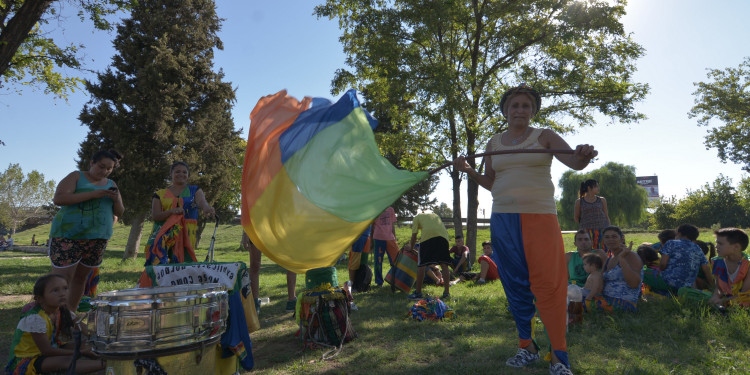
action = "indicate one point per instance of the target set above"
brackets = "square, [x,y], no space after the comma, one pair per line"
[275,45]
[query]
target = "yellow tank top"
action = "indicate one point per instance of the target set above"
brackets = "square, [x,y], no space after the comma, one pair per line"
[523,183]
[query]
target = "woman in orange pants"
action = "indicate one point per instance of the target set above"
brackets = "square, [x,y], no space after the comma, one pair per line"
[526,241]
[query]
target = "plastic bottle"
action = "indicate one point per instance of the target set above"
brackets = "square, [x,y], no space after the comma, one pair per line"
[575,304]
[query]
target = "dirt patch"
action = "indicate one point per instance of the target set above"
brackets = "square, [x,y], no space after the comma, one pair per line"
[10,298]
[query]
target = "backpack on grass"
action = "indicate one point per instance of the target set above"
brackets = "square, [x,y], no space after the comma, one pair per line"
[362,278]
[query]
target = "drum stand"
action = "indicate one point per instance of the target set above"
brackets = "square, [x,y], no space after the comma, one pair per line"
[210,255]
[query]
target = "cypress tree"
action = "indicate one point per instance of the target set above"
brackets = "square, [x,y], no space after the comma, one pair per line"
[161,101]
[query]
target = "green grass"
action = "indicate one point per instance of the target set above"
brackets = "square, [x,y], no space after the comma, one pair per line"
[665,336]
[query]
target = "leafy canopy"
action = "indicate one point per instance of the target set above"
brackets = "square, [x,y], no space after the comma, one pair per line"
[432,63]
[717,204]
[726,98]
[438,69]
[30,57]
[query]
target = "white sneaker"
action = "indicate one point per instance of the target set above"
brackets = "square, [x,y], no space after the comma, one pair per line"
[522,358]
[559,369]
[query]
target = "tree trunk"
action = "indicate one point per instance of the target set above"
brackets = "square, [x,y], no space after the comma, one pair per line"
[17,30]
[458,226]
[134,238]
[472,193]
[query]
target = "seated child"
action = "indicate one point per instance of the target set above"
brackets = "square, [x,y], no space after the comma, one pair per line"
[592,263]
[730,269]
[649,256]
[41,340]
[704,281]
[460,255]
[664,236]
[487,268]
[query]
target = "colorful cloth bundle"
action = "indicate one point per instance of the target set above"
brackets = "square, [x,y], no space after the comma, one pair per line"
[323,316]
[609,304]
[432,309]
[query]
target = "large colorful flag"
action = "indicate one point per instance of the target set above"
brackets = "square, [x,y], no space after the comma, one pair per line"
[313,179]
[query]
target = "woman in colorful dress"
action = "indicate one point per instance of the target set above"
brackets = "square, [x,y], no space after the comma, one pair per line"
[623,275]
[81,229]
[591,211]
[526,239]
[175,214]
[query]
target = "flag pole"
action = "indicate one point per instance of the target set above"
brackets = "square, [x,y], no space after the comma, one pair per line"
[501,152]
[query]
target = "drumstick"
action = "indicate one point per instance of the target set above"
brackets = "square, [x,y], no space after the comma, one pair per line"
[500,152]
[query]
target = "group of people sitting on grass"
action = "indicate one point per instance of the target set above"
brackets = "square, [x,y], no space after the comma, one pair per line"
[679,264]
[6,244]
[459,269]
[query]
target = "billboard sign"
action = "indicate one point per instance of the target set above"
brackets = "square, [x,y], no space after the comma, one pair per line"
[651,184]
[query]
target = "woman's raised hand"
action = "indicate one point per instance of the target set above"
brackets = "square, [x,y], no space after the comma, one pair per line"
[585,152]
[461,165]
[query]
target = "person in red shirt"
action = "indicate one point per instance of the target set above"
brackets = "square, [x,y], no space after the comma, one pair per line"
[488,268]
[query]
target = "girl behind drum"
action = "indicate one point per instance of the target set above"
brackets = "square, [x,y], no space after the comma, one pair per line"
[41,342]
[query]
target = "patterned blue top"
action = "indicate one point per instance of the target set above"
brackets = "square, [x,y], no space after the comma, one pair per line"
[616,287]
[685,260]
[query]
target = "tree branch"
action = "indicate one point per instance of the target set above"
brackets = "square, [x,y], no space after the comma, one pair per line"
[18,28]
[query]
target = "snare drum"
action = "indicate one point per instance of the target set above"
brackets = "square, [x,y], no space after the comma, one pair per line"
[133,323]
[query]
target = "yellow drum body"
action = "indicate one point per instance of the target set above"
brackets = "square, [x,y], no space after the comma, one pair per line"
[198,361]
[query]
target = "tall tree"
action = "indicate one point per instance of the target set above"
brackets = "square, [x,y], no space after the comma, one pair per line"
[713,204]
[626,200]
[443,210]
[743,194]
[23,197]
[400,148]
[725,98]
[161,101]
[664,214]
[29,56]
[452,60]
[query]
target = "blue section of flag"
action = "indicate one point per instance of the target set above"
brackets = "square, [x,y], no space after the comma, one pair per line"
[321,115]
